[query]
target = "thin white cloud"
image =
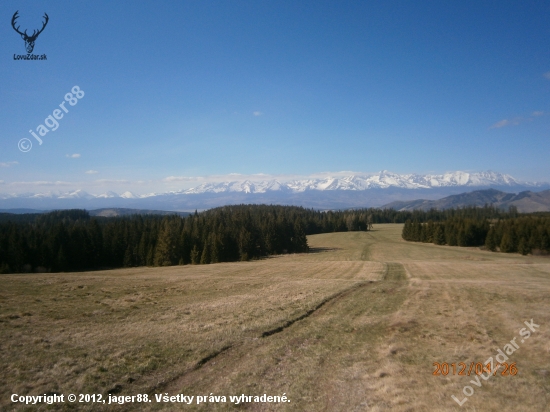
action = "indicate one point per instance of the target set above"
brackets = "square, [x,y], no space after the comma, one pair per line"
[500,124]
[73,156]
[170,179]
[185,182]
[91,172]
[8,164]
[102,181]
[257,113]
[42,183]
[547,75]
[220,178]
[517,120]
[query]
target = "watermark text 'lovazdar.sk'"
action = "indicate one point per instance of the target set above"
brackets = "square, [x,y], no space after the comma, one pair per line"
[51,122]
[501,358]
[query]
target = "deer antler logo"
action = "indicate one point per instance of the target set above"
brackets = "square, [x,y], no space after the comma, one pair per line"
[29,40]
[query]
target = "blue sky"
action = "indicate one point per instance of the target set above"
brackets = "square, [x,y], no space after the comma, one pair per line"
[209,88]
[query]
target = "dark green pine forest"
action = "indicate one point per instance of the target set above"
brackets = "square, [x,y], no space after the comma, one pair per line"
[71,240]
[504,232]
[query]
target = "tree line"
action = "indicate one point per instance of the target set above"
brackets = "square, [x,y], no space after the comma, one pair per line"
[510,234]
[72,240]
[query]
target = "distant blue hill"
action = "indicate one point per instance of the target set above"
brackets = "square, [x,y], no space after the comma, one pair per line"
[525,202]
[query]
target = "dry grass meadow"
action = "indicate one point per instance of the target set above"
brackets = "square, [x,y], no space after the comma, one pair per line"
[356,325]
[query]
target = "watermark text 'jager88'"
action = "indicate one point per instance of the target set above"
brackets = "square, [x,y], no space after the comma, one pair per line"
[51,123]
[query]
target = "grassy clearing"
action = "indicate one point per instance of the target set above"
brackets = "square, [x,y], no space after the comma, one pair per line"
[354,325]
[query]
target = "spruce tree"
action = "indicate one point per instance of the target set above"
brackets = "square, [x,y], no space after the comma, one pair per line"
[506,244]
[407,230]
[205,256]
[490,240]
[195,255]
[166,246]
[523,246]
[128,259]
[439,235]
[215,248]
[61,260]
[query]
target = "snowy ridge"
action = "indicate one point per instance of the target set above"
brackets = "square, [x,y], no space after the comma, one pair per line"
[381,180]
[360,182]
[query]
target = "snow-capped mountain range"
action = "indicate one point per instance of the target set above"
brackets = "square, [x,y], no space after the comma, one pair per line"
[381,180]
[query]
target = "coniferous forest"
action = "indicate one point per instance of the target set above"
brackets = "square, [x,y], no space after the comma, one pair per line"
[507,232]
[71,240]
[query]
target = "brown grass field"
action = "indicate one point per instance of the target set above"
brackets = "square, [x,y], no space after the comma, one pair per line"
[355,325]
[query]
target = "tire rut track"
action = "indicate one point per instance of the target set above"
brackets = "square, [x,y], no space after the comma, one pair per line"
[393,272]
[202,362]
[310,312]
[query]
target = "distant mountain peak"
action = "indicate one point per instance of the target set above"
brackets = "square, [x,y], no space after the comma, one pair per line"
[129,195]
[340,187]
[108,195]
